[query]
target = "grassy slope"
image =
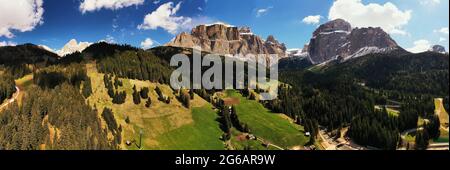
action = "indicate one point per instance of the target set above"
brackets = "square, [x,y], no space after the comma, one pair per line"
[275,128]
[24,83]
[203,134]
[164,126]
[440,110]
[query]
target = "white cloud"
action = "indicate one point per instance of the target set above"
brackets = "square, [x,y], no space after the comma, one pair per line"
[165,17]
[7,43]
[420,46]
[443,30]
[263,11]
[442,39]
[19,15]
[313,19]
[93,5]
[386,16]
[147,43]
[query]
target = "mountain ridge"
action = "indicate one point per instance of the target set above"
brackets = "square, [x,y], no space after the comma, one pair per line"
[224,39]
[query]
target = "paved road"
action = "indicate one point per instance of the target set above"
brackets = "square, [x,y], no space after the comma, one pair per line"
[13,99]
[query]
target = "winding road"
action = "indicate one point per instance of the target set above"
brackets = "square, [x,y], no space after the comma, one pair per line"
[12,100]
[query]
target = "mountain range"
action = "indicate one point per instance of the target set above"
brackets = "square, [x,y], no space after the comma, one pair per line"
[224,39]
[334,40]
[73,46]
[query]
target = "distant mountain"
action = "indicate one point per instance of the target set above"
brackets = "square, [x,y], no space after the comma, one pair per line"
[438,49]
[104,49]
[73,46]
[47,48]
[225,39]
[338,40]
[401,73]
[26,54]
[392,71]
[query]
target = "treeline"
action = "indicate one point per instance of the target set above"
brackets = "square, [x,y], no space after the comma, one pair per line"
[7,86]
[140,65]
[26,54]
[118,97]
[431,130]
[17,71]
[53,76]
[228,118]
[332,108]
[52,119]
[377,130]
[103,50]
[113,127]
[428,71]
[346,94]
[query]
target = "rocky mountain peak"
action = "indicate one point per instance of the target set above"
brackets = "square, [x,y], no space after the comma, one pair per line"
[245,30]
[337,39]
[225,39]
[438,49]
[73,46]
[338,25]
[271,39]
[72,42]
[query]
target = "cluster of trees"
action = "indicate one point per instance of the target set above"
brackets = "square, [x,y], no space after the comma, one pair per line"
[228,118]
[26,54]
[87,87]
[225,123]
[103,50]
[7,86]
[345,95]
[136,96]
[185,97]
[161,96]
[17,70]
[312,126]
[144,94]
[430,131]
[118,97]
[139,65]
[243,127]
[428,71]
[52,119]
[110,120]
[204,94]
[373,133]
[52,76]
[148,103]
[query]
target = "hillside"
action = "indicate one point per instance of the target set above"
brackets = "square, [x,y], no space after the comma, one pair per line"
[428,71]
[162,123]
[26,54]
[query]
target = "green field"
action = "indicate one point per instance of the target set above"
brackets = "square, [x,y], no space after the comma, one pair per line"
[203,134]
[275,128]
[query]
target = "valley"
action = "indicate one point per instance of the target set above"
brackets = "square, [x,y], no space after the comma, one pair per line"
[106,96]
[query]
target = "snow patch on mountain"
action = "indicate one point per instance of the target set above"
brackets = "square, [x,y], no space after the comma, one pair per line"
[73,46]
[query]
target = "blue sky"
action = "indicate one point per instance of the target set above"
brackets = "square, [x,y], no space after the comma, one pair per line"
[414,24]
